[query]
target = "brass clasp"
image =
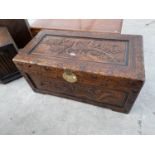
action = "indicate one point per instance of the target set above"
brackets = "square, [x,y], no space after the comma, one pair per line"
[69,76]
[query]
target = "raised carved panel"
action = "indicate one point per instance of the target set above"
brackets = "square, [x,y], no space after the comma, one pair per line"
[86,49]
[87,92]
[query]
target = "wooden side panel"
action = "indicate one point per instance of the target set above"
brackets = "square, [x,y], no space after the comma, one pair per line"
[8,70]
[110,92]
[77,90]
[19,30]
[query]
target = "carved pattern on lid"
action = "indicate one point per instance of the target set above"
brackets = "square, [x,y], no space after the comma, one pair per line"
[85,49]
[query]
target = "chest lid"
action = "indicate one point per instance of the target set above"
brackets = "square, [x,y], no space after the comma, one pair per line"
[97,53]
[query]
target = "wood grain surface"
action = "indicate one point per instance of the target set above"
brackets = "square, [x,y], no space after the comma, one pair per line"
[19,30]
[93,25]
[8,50]
[109,67]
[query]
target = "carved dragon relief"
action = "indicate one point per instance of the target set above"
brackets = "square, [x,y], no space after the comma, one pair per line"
[85,91]
[97,50]
[98,94]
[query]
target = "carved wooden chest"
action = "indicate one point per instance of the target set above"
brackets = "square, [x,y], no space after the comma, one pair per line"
[8,50]
[100,69]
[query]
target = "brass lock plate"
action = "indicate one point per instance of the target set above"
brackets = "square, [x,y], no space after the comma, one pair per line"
[69,76]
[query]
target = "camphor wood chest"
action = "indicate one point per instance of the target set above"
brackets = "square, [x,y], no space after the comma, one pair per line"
[100,69]
[8,49]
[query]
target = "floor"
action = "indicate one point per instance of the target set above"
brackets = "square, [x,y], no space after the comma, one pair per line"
[24,112]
